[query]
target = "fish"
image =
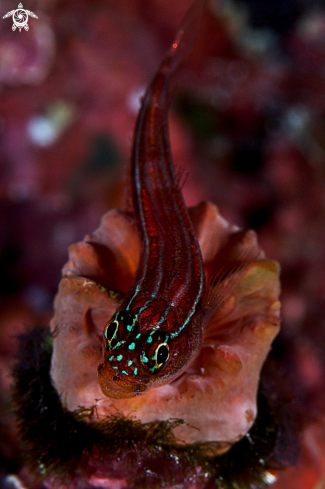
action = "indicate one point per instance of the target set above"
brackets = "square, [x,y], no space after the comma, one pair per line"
[156,331]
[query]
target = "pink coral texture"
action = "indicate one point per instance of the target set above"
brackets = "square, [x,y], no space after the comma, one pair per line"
[216,395]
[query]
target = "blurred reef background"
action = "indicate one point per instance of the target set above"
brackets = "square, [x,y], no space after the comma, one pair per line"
[247,127]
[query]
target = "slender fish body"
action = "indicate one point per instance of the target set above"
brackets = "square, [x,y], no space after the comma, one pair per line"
[157,330]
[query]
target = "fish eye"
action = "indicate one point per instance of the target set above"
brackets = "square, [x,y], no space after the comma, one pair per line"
[111,331]
[154,350]
[117,326]
[162,354]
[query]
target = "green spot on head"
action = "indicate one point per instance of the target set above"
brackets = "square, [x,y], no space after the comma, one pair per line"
[135,371]
[129,328]
[149,340]
[138,335]
[144,358]
[116,368]
[130,363]
[132,346]
[125,373]
[111,358]
[119,358]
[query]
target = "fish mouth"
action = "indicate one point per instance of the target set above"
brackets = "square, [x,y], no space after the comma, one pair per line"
[118,386]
